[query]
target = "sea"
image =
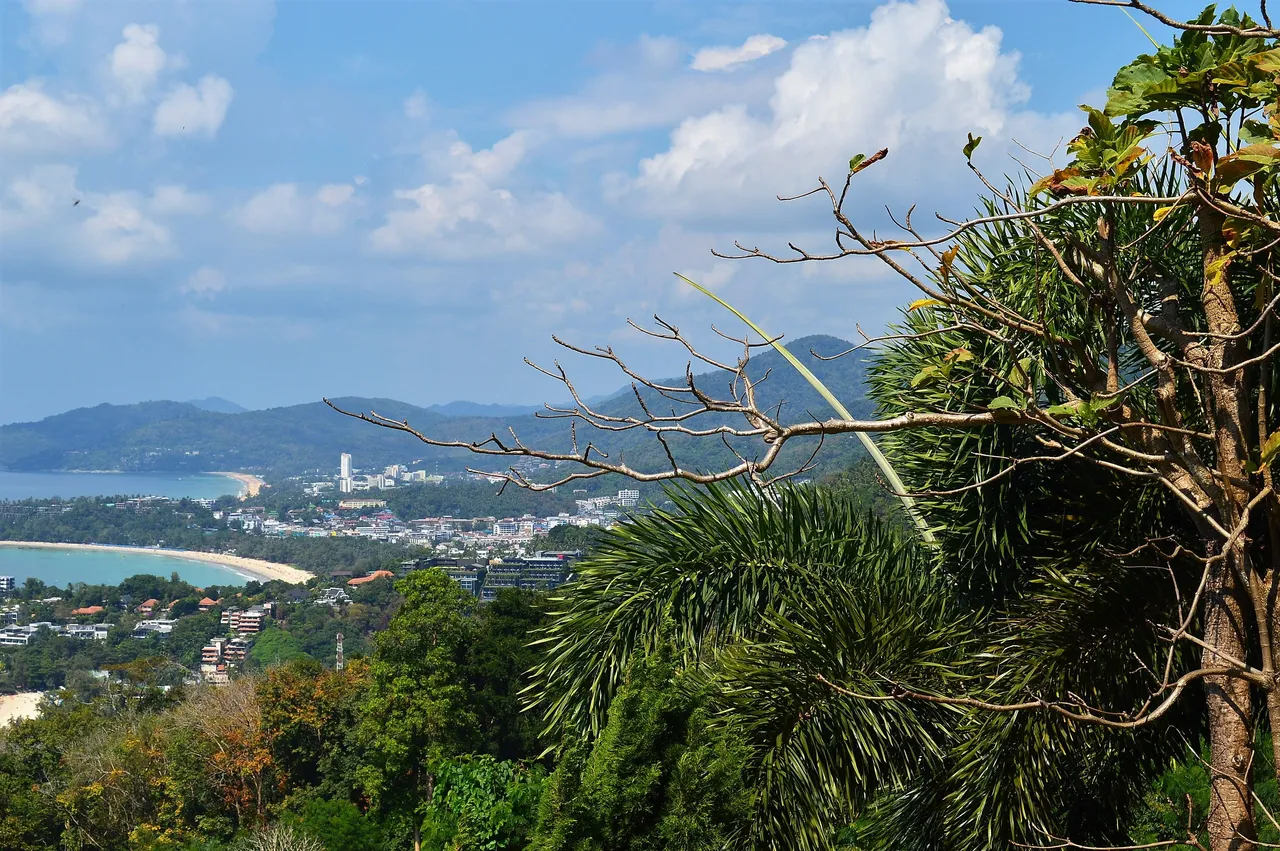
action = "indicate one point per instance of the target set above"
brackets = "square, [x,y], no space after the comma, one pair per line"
[47,485]
[60,567]
[101,567]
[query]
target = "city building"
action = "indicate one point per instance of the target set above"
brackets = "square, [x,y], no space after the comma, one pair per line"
[8,585]
[159,626]
[345,468]
[20,636]
[628,498]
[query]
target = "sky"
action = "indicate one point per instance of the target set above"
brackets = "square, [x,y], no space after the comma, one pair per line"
[275,202]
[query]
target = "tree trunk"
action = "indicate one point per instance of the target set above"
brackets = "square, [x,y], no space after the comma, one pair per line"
[1229,703]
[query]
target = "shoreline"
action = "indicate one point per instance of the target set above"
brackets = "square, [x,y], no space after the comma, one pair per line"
[15,707]
[250,485]
[252,568]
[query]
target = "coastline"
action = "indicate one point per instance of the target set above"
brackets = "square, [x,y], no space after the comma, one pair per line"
[253,568]
[15,707]
[250,485]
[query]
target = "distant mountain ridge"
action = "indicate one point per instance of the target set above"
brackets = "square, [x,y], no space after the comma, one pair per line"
[217,405]
[293,440]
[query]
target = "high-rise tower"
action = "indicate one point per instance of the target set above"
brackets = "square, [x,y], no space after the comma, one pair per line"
[345,469]
[338,661]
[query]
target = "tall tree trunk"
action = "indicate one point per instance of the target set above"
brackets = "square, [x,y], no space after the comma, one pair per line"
[1228,604]
[1231,825]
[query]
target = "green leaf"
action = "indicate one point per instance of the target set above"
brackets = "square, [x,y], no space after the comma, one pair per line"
[971,146]
[1003,403]
[1269,450]
[855,160]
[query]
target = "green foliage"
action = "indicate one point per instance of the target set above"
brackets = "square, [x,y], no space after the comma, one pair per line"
[482,803]
[335,824]
[274,646]
[416,711]
[659,776]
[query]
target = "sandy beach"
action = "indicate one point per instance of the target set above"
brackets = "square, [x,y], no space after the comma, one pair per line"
[255,568]
[251,484]
[16,706]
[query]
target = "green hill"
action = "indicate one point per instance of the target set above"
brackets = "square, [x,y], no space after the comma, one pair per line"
[179,436]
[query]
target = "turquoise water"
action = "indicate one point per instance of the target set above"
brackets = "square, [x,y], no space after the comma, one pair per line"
[96,567]
[46,485]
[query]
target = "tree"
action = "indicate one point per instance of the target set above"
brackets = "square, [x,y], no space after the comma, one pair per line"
[498,660]
[417,711]
[1114,321]
[659,776]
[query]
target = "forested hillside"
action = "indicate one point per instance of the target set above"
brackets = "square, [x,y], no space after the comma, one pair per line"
[179,436]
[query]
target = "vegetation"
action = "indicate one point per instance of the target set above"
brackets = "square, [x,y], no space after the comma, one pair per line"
[1082,653]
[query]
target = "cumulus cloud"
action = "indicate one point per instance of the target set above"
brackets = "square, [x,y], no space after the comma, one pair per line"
[727,58]
[103,229]
[31,119]
[471,213]
[205,282]
[913,80]
[194,110]
[284,209]
[136,62]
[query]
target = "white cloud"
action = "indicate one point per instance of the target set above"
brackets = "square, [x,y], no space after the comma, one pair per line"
[913,80]
[194,110]
[172,199]
[137,61]
[283,209]
[470,214]
[33,120]
[66,224]
[205,282]
[416,106]
[119,233]
[726,58]
[50,19]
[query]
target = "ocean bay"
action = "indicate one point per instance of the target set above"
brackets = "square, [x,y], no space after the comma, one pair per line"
[17,485]
[96,567]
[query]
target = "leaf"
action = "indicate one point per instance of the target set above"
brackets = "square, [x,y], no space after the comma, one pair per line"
[1245,162]
[1269,449]
[926,374]
[1002,403]
[1268,61]
[1161,212]
[948,257]
[1216,271]
[971,146]
[958,355]
[857,158]
[924,302]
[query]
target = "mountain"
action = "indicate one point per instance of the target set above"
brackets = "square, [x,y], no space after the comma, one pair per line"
[217,405]
[478,409]
[182,436]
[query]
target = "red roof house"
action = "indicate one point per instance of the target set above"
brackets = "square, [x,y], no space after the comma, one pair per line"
[377,574]
[87,610]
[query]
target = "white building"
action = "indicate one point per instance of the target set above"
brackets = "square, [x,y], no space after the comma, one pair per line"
[8,584]
[628,498]
[345,466]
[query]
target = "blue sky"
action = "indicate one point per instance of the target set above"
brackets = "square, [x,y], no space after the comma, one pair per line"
[284,201]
